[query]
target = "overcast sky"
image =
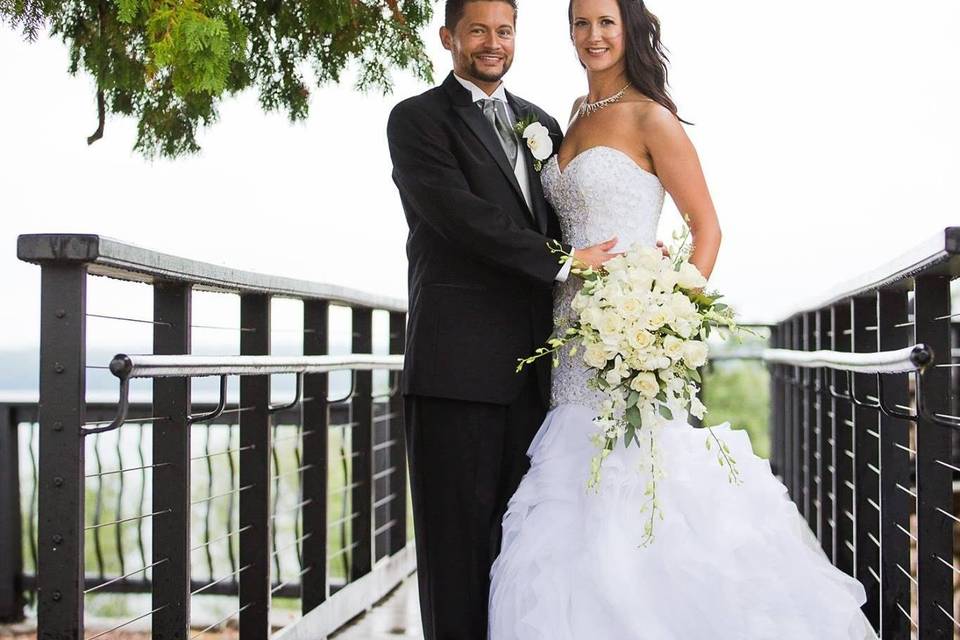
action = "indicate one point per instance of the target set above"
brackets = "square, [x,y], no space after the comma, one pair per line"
[828,132]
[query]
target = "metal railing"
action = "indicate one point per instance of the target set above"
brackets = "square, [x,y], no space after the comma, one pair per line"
[375,553]
[864,418]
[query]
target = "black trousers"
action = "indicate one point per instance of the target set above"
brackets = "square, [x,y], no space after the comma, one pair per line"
[466,460]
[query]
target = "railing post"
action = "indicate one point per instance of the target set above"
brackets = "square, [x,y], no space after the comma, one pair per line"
[316,439]
[895,504]
[843,487]
[398,456]
[788,426]
[809,421]
[62,412]
[362,448]
[11,543]
[825,441]
[775,425]
[867,461]
[934,480]
[796,418]
[255,445]
[171,472]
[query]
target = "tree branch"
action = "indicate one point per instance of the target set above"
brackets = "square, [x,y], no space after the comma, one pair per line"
[101,115]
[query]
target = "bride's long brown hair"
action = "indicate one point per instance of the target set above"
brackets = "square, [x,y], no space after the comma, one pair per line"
[646,56]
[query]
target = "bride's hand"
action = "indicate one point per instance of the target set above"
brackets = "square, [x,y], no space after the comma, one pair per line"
[595,256]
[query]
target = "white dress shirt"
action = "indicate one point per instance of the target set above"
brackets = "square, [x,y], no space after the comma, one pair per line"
[523,178]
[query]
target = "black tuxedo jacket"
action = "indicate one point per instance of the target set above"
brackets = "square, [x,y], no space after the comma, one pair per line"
[480,271]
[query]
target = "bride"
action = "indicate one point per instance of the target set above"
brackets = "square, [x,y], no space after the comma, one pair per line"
[729,561]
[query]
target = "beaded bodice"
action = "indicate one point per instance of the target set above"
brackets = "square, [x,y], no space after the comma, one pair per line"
[600,194]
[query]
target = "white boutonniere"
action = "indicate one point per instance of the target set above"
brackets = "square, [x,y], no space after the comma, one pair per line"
[537,138]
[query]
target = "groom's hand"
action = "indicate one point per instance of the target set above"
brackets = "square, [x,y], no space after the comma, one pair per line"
[597,255]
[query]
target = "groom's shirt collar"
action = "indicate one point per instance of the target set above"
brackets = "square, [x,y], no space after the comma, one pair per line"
[477,94]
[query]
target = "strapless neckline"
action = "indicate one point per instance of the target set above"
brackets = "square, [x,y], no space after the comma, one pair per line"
[586,152]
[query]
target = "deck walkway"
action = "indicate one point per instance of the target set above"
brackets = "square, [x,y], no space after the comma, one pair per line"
[395,618]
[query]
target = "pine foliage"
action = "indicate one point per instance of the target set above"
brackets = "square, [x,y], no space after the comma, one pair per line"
[169,63]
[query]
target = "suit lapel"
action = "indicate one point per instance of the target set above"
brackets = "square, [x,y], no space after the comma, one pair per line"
[472,116]
[537,199]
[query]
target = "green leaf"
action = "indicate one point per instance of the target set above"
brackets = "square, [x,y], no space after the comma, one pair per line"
[632,416]
[665,412]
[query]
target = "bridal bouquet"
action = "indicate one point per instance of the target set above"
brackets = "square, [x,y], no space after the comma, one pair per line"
[640,325]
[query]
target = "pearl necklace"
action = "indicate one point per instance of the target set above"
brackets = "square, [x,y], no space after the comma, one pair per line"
[588,108]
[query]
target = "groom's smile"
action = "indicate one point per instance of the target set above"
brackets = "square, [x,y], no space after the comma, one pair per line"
[482,42]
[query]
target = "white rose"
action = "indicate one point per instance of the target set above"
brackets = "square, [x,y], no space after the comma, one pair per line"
[595,356]
[673,347]
[646,258]
[640,338]
[629,307]
[538,141]
[695,354]
[689,277]
[611,324]
[646,384]
[655,319]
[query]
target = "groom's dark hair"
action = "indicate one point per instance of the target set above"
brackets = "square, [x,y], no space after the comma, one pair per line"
[455,10]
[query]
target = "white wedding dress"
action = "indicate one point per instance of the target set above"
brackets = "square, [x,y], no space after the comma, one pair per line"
[728,562]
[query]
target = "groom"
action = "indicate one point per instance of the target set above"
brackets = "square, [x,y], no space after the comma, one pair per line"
[480,281]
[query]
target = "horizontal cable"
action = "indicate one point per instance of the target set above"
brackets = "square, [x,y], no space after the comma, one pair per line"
[123,319]
[949,565]
[292,544]
[130,421]
[295,507]
[909,535]
[221,328]
[382,501]
[223,537]
[221,453]
[905,448]
[219,580]
[949,515]
[874,574]
[946,613]
[384,473]
[222,620]
[290,581]
[291,472]
[352,485]
[124,577]
[384,527]
[906,490]
[907,616]
[115,522]
[126,469]
[343,520]
[898,361]
[132,620]
[906,573]
[153,366]
[873,539]
[948,465]
[342,551]
[221,495]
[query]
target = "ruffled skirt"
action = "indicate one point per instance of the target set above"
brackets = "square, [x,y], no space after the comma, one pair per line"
[728,561]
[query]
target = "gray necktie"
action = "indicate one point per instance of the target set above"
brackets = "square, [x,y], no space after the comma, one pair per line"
[495,111]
